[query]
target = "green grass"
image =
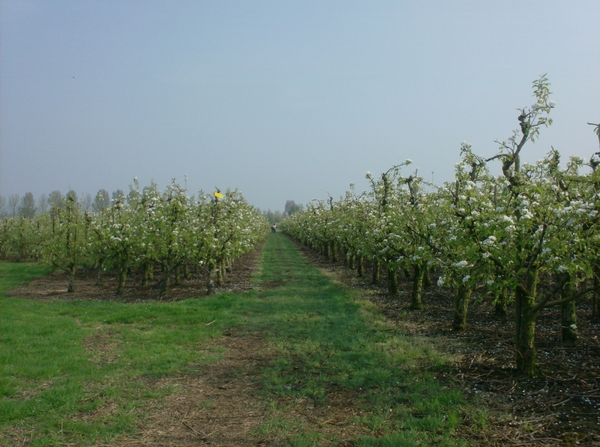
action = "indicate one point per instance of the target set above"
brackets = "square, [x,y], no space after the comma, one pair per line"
[62,360]
[49,352]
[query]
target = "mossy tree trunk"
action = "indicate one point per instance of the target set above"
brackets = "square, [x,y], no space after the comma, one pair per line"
[501,303]
[376,271]
[148,273]
[525,319]
[427,277]
[100,271]
[350,260]
[596,295]
[122,277]
[170,266]
[360,269]
[71,272]
[334,256]
[210,283]
[220,274]
[178,276]
[392,281]
[462,295]
[568,314]
[417,286]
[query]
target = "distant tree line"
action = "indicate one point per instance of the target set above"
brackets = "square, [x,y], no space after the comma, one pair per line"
[290,208]
[27,206]
[14,205]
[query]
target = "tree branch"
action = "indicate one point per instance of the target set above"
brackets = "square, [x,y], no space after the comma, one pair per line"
[563,300]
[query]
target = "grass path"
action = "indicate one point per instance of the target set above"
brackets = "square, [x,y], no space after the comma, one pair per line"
[298,361]
[342,374]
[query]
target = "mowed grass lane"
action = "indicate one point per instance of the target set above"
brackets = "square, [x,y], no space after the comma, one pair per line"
[341,374]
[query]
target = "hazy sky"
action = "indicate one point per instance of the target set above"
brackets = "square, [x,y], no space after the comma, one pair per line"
[283,100]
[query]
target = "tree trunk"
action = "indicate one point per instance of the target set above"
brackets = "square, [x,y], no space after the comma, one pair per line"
[219,275]
[427,278]
[166,284]
[361,266]
[568,315]
[525,319]
[178,276]
[376,271]
[71,286]
[334,256]
[148,273]
[462,294]
[392,281]
[501,303]
[210,284]
[122,276]
[168,269]
[417,286]
[596,295]
[350,260]
[100,271]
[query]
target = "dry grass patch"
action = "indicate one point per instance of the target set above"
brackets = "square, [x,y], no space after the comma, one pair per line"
[219,406]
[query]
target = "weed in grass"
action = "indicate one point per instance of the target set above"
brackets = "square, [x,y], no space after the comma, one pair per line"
[279,426]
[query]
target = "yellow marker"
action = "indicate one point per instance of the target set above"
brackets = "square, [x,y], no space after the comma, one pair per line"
[219,195]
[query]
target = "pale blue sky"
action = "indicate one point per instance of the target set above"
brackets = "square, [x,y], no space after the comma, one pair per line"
[283,100]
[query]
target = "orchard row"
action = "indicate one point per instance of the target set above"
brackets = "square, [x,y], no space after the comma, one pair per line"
[498,235]
[147,231]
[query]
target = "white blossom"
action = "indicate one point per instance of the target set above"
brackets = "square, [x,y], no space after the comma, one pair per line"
[526,214]
[490,241]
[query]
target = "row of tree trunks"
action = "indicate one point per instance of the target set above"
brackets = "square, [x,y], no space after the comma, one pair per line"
[524,299]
